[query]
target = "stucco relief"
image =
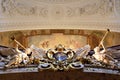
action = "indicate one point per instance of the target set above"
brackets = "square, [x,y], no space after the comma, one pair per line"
[15,7]
[95,7]
[102,8]
[56,1]
[117,6]
[57,12]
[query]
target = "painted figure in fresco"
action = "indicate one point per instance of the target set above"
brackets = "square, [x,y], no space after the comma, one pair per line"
[45,44]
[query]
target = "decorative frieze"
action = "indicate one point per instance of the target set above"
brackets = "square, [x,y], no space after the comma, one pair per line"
[80,8]
[59,14]
[117,7]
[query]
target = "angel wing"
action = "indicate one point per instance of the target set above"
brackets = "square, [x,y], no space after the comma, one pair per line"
[37,52]
[82,52]
[6,51]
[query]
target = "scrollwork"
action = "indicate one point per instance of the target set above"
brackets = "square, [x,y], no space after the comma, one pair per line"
[12,7]
[8,6]
[70,11]
[97,7]
[101,8]
[117,6]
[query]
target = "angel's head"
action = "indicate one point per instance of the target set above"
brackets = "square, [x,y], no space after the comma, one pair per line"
[28,51]
[97,49]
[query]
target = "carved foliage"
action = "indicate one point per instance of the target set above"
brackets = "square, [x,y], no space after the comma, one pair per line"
[102,8]
[117,6]
[12,7]
[99,7]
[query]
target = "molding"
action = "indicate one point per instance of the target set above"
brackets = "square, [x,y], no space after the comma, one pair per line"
[59,14]
[115,27]
[55,1]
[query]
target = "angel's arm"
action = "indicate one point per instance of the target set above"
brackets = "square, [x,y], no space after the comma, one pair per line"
[104,50]
[17,49]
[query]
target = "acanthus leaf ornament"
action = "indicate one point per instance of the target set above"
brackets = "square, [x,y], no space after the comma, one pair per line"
[15,7]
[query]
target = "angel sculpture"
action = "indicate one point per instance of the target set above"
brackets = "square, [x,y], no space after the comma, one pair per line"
[100,55]
[19,57]
[58,58]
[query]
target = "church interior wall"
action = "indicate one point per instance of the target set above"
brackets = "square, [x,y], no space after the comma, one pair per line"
[92,37]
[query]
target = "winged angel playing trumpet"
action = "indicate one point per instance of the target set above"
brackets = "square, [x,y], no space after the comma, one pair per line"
[59,58]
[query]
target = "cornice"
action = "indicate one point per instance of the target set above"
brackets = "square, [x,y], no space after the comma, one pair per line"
[115,27]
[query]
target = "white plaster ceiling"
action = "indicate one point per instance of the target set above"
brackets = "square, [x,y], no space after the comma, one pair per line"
[59,14]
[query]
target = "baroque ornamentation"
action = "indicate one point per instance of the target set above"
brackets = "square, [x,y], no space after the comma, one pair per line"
[98,7]
[13,7]
[115,27]
[57,1]
[101,7]
[117,6]
[60,58]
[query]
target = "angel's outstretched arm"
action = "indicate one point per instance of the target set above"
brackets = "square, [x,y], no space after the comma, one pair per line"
[17,49]
[104,50]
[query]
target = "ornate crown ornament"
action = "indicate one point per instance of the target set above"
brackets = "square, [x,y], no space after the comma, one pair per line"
[60,59]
